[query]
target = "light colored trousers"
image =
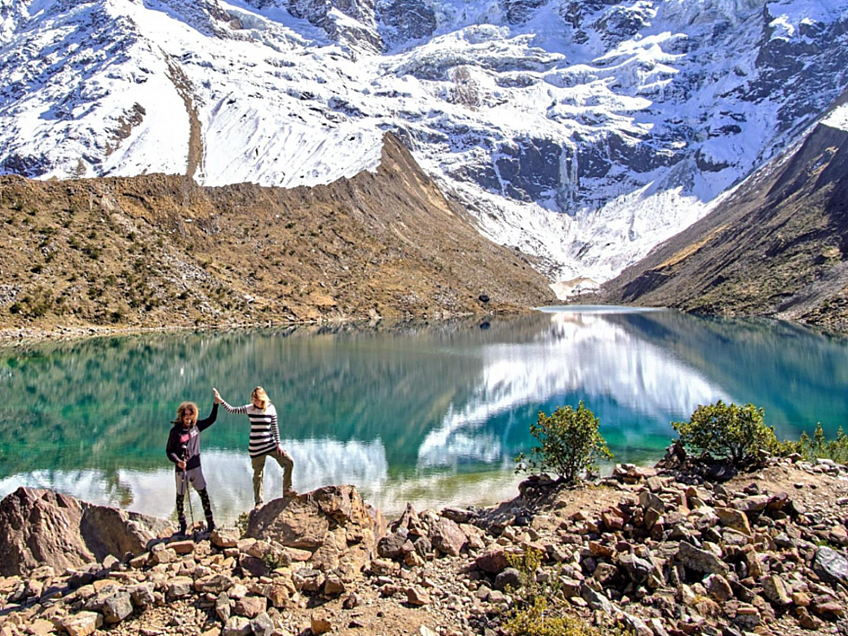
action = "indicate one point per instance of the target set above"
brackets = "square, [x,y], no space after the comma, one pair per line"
[286,463]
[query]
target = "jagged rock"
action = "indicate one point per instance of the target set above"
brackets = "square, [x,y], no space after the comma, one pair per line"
[351,601]
[416,596]
[392,546]
[41,527]
[718,587]
[308,580]
[424,547]
[273,556]
[650,501]
[757,503]
[735,519]
[605,574]
[82,624]
[95,602]
[311,520]
[382,567]
[493,561]
[510,577]
[409,523]
[160,554]
[182,547]
[775,591]
[637,569]
[806,620]
[320,624]
[224,537]
[700,560]
[253,566]
[278,593]
[747,616]
[117,607]
[251,606]
[828,608]
[237,626]
[142,594]
[224,607]
[447,537]
[636,625]
[262,625]
[830,565]
[214,583]
[334,585]
[180,587]
[595,599]
[459,515]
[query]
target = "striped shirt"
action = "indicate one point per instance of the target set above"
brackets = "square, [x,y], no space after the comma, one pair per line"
[264,433]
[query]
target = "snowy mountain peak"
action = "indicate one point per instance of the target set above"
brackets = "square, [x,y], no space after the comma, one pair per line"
[583,132]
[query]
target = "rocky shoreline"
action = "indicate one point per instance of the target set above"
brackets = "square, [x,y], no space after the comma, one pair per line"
[651,551]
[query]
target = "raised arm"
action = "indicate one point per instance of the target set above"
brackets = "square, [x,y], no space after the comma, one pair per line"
[210,420]
[227,407]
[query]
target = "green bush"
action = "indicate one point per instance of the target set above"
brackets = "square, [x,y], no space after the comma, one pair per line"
[727,432]
[541,608]
[570,442]
[820,447]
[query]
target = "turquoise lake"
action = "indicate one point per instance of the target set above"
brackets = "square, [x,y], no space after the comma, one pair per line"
[428,413]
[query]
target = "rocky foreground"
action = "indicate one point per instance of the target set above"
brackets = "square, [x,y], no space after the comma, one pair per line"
[655,550]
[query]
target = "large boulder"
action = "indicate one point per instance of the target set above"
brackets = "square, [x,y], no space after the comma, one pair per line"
[333,523]
[830,565]
[41,527]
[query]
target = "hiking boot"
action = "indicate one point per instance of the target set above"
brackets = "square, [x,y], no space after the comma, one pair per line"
[183,527]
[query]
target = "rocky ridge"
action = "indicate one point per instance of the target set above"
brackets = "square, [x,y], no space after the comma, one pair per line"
[581,132]
[657,550]
[159,251]
[776,247]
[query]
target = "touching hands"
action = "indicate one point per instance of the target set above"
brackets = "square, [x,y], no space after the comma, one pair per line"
[217,395]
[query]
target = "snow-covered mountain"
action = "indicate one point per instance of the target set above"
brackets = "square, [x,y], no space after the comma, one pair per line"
[582,131]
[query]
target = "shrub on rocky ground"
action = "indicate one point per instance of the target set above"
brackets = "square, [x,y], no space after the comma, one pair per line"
[540,604]
[537,619]
[819,447]
[571,444]
[727,432]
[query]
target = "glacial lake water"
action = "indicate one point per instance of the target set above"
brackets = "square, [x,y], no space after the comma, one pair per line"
[428,413]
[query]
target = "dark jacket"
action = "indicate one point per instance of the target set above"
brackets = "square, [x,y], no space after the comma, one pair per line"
[184,443]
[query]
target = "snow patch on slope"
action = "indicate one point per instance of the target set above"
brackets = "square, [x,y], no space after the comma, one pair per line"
[583,133]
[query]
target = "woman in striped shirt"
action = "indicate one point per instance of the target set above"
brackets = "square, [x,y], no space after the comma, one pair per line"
[264,440]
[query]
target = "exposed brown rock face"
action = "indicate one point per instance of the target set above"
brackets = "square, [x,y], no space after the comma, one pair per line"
[159,250]
[41,527]
[776,247]
[333,523]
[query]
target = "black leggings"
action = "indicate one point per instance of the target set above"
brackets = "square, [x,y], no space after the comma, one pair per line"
[204,500]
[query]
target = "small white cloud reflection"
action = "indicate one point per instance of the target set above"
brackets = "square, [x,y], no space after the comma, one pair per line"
[581,353]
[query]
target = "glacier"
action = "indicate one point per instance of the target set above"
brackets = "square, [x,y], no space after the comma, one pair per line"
[582,132]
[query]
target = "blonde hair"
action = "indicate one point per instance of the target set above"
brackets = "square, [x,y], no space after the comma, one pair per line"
[259,394]
[183,408]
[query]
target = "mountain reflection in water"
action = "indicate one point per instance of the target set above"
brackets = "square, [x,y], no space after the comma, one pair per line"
[428,413]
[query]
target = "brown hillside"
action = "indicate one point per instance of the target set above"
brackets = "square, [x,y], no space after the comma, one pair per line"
[777,247]
[159,250]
